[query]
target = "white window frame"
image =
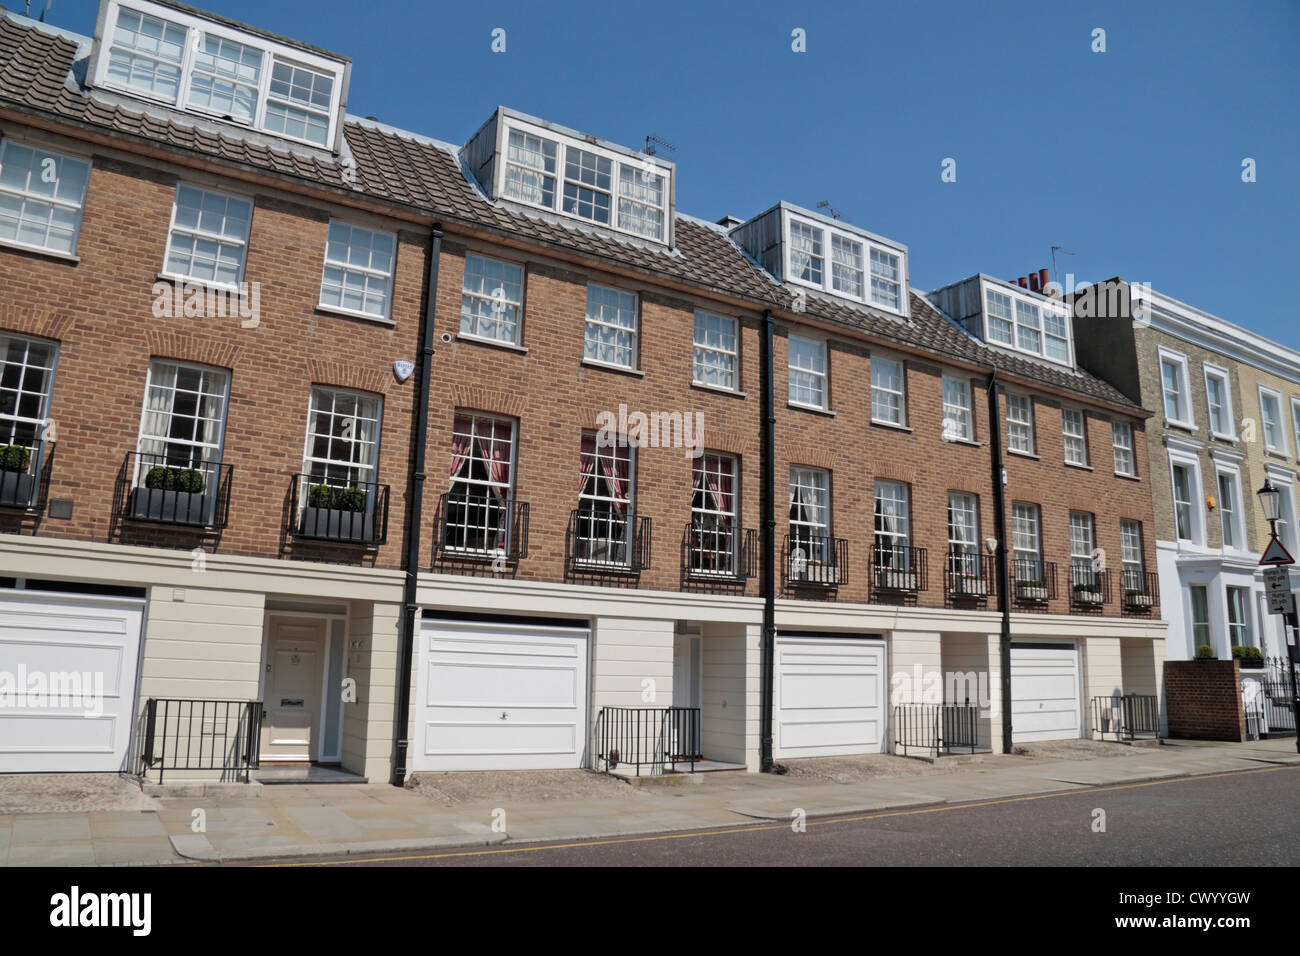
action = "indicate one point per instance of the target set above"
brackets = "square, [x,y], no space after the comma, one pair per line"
[1231,516]
[1080,437]
[200,233]
[1295,422]
[632,345]
[1179,361]
[715,532]
[1125,428]
[1023,427]
[365,272]
[1244,627]
[499,298]
[963,535]
[822,374]
[1196,506]
[1027,534]
[366,468]
[1131,576]
[195,28]
[863,243]
[214,450]
[1083,544]
[1284,447]
[817,481]
[726,361]
[1288,531]
[29,197]
[12,422]
[898,495]
[602,511]
[1220,375]
[961,425]
[882,364]
[1022,304]
[478,509]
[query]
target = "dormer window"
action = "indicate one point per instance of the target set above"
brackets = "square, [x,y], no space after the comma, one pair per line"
[1026,323]
[187,62]
[534,163]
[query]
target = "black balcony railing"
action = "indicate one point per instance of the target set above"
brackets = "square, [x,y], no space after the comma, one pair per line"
[1089,589]
[607,541]
[220,735]
[174,490]
[647,739]
[815,561]
[936,728]
[1126,717]
[1033,582]
[480,528]
[25,488]
[897,570]
[336,509]
[969,578]
[1141,591]
[714,551]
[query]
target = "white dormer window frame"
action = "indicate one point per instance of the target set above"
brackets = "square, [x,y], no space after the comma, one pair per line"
[1225,416]
[1281,445]
[1027,323]
[278,86]
[582,180]
[844,264]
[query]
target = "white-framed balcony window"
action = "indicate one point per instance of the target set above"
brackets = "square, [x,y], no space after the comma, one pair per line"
[192,63]
[358,275]
[1230,517]
[26,388]
[714,536]
[604,531]
[611,332]
[1026,323]
[861,267]
[1130,546]
[1026,542]
[807,371]
[1271,421]
[1020,423]
[892,525]
[480,485]
[1121,438]
[491,299]
[1083,543]
[963,536]
[810,519]
[342,448]
[1187,523]
[715,351]
[42,193]
[888,399]
[208,238]
[1218,400]
[182,425]
[958,422]
[1239,630]
[1174,391]
[1075,431]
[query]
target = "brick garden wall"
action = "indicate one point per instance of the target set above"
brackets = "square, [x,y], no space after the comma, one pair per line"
[1203,700]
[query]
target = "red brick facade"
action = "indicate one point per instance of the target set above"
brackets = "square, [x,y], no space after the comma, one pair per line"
[1203,700]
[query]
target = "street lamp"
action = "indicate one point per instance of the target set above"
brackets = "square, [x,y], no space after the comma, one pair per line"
[1270,500]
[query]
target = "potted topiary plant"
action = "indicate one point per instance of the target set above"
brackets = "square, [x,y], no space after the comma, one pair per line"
[338,514]
[1035,591]
[176,495]
[1204,652]
[16,485]
[1248,656]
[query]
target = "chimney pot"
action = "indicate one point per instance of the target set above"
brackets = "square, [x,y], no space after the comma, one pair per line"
[1022,282]
[1042,278]
[1033,282]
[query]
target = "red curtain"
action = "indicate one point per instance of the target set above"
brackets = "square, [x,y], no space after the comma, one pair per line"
[500,434]
[721,490]
[462,431]
[588,461]
[619,479]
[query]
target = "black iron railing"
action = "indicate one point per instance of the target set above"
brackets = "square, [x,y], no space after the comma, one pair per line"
[1033,581]
[898,569]
[480,527]
[220,735]
[607,541]
[1141,591]
[969,576]
[815,561]
[1126,717]
[337,509]
[1089,588]
[715,551]
[27,489]
[173,490]
[650,739]
[936,728]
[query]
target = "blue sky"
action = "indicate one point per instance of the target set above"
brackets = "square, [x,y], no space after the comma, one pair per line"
[1131,158]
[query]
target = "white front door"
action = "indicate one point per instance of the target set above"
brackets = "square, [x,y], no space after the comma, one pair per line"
[1045,692]
[829,696]
[500,697]
[67,681]
[295,657]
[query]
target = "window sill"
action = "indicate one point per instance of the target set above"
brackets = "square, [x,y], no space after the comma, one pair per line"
[606,367]
[491,343]
[1279,455]
[810,408]
[349,314]
[970,442]
[1226,439]
[41,251]
[719,389]
[1185,426]
[1071,464]
[893,426]
[1127,477]
[1024,454]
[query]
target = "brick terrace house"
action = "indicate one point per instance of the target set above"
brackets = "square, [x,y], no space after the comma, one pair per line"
[218,507]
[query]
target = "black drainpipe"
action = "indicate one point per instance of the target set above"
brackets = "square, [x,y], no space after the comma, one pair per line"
[1000,531]
[411,562]
[767,504]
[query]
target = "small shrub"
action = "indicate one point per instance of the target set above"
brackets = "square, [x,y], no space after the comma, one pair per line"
[1204,652]
[1247,655]
[320,496]
[189,479]
[14,458]
[351,499]
[160,478]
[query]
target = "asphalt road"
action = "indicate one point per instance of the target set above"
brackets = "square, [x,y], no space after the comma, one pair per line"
[1247,818]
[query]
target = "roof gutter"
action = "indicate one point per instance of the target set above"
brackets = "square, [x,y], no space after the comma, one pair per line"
[411,561]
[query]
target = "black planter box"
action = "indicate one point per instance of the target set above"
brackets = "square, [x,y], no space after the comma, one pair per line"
[174,507]
[16,488]
[335,524]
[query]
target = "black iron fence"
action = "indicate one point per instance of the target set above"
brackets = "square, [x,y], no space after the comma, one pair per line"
[898,568]
[222,735]
[173,490]
[1141,591]
[969,576]
[338,509]
[1089,588]
[937,728]
[815,560]
[482,527]
[25,481]
[607,540]
[714,550]
[1033,581]
[650,739]
[1126,717]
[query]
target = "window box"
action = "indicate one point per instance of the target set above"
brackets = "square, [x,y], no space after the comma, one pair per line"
[16,485]
[1088,594]
[1033,591]
[968,585]
[336,513]
[1138,599]
[892,579]
[818,573]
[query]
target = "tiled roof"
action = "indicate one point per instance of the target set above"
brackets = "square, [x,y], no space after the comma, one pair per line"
[38,70]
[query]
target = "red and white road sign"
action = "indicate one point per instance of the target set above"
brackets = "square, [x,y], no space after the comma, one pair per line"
[1275,553]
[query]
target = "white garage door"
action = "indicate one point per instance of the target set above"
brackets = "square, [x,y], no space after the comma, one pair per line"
[500,697]
[829,696]
[1044,692]
[67,681]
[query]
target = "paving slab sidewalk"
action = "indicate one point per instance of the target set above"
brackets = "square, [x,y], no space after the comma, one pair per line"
[288,822]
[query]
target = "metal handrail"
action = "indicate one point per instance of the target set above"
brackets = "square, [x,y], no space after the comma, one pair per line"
[185,734]
[323,516]
[815,560]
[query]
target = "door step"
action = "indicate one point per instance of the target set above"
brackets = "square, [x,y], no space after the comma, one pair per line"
[304,773]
